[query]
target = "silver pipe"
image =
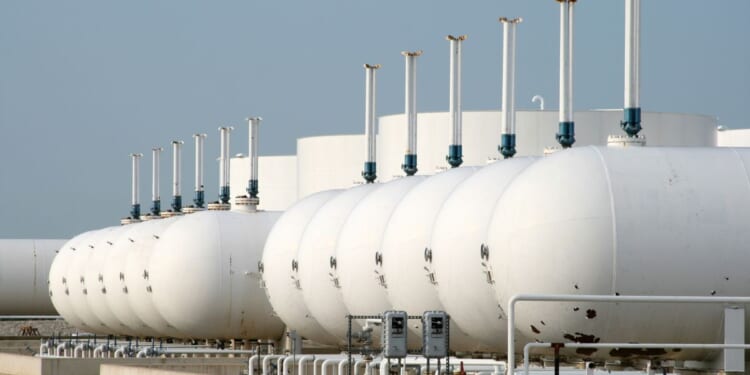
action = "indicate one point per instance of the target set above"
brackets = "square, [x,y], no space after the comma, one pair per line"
[177,175]
[135,210]
[224,164]
[455,152]
[410,104]
[155,175]
[508,124]
[253,124]
[199,186]
[566,133]
[370,170]
[632,110]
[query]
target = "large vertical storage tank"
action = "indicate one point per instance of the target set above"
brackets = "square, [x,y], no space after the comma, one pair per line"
[24,267]
[634,221]
[359,249]
[204,278]
[59,285]
[463,278]
[317,263]
[136,273]
[279,265]
[407,251]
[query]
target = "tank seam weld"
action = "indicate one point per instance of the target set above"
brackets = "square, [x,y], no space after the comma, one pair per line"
[614,220]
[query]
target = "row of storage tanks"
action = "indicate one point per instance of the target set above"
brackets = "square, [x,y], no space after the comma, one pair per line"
[588,220]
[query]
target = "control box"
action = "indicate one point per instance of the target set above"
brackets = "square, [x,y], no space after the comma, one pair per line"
[394,334]
[435,334]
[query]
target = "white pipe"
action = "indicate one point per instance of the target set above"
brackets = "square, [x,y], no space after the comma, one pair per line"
[253,124]
[598,298]
[280,366]
[384,370]
[267,362]
[224,164]
[359,363]
[566,60]
[177,168]
[79,349]
[199,186]
[632,53]
[329,362]
[135,188]
[508,124]
[301,363]
[540,99]
[142,353]
[454,106]
[316,363]
[155,162]
[369,172]
[120,351]
[251,364]
[286,365]
[100,350]
[342,364]
[60,349]
[410,104]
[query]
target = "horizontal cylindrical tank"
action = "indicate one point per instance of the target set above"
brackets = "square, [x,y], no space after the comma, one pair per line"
[204,278]
[359,254]
[459,261]
[407,252]
[632,221]
[279,266]
[24,270]
[59,285]
[78,285]
[317,263]
[143,238]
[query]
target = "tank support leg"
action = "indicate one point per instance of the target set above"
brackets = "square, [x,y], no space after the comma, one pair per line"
[734,333]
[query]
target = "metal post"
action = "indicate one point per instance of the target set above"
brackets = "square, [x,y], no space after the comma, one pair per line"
[199,199]
[556,347]
[370,171]
[349,344]
[410,98]
[455,152]
[507,146]
[177,175]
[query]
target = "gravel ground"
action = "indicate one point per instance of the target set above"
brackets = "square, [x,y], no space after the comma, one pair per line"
[45,327]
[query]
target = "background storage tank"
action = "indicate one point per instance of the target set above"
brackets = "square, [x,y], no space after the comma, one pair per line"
[317,262]
[204,278]
[279,270]
[143,239]
[407,252]
[634,221]
[464,279]
[23,274]
[358,252]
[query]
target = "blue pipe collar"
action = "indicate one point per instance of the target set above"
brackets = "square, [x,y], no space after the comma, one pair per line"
[369,173]
[566,135]
[410,164]
[224,195]
[199,199]
[252,188]
[507,146]
[156,207]
[135,211]
[632,122]
[177,203]
[455,155]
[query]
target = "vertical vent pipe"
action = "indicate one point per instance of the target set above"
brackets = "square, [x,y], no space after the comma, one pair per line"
[566,132]
[252,184]
[177,175]
[135,209]
[508,126]
[410,103]
[155,196]
[224,164]
[455,155]
[369,173]
[632,110]
[200,197]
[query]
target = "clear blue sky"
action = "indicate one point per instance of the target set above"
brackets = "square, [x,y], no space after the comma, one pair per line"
[85,83]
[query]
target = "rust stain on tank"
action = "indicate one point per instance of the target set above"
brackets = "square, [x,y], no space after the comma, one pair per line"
[582,338]
[590,314]
[535,330]
[586,351]
[625,353]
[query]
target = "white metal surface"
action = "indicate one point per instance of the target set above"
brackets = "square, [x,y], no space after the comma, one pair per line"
[318,266]
[359,243]
[509,75]
[155,156]
[136,274]
[78,285]
[59,284]
[278,257]
[218,292]
[632,53]
[463,285]
[632,221]
[177,168]
[24,271]
[406,247]
[454,106]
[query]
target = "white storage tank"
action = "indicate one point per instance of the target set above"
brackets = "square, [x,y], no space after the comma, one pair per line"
[204,278]
[407,251]
[279,271]
[464,280]
[318,266]
[96,295]
[78,285]
[59,285]
[359,248]
[142,237]
[634,221]
[24,270]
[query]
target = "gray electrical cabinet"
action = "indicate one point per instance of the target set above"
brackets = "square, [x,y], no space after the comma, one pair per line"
[435,334]
[394,334]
